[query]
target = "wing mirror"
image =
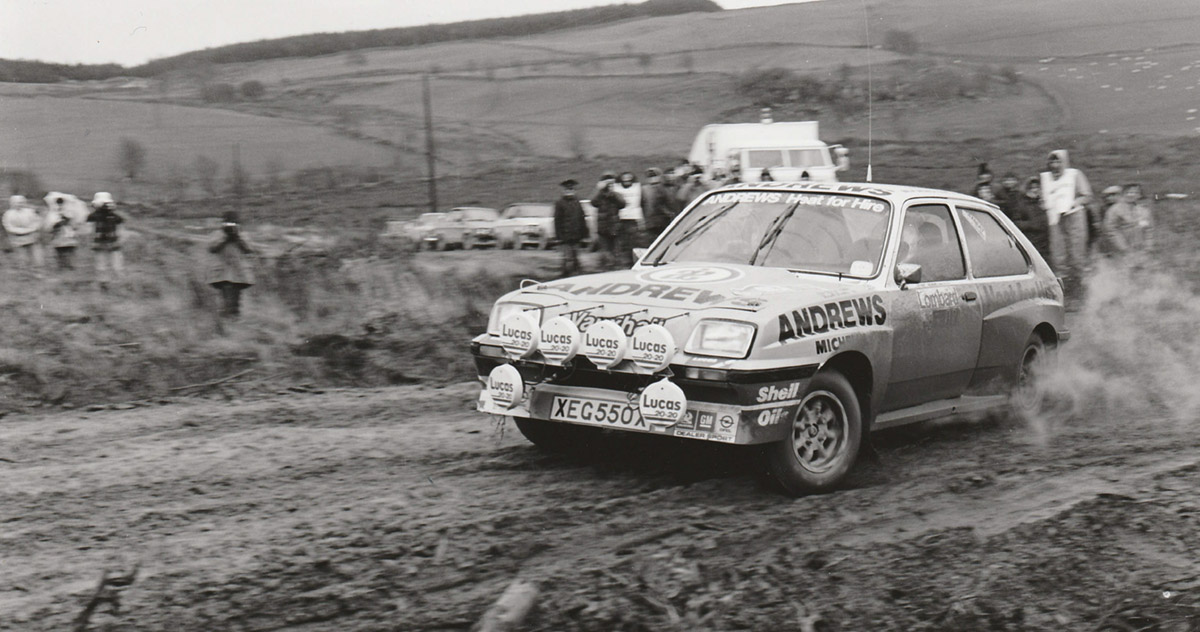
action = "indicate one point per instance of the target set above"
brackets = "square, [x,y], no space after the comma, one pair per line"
[907,273]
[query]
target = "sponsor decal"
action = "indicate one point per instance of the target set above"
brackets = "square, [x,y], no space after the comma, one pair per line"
[725,430]
[833,316]
[661,291]
[807,199]
[505,386]
[604,343]
[662,403]
[940,298]
[771,416]
[706,421]
[690,274]
[628,323]
[829,345]
[519,335]
[688,422]
[778,393]
[652,348]
[833,187]
[559,340]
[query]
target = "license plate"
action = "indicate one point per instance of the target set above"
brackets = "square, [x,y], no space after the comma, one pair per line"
[595,412]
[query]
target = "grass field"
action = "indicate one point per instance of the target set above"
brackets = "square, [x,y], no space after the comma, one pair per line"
[639,87]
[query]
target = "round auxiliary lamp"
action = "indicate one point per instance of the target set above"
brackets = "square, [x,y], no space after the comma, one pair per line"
[605,344]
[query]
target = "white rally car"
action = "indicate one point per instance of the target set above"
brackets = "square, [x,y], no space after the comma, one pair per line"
[796,316]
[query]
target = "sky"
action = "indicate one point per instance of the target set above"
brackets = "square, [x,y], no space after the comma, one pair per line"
[132,32]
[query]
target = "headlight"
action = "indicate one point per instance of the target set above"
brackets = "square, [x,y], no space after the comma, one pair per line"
[503,310]
[721,338]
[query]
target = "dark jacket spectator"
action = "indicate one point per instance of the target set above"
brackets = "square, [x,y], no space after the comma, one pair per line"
[1009,193]
[1030,216]
[658,204]
[608,204]
[570,225]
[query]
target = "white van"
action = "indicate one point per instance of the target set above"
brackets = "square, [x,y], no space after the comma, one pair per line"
[788,150]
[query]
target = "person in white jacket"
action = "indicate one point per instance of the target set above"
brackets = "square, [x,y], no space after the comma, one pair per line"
[62,224]
[23,224]
[1066,195]
[629,228]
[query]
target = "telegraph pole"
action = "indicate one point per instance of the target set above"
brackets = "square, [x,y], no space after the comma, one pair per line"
[429,151]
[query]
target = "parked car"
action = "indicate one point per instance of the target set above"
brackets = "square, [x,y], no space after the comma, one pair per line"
[526,224]
[796,316]
[464,227]
[413,230]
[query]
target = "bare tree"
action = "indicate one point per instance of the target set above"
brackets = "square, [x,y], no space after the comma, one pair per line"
[131,158]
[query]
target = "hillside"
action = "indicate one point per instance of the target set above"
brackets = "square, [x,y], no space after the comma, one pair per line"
[633,88]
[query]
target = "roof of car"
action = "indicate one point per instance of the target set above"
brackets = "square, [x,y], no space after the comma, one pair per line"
[895,192]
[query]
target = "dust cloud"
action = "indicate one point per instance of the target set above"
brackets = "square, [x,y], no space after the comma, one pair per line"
[1133,356]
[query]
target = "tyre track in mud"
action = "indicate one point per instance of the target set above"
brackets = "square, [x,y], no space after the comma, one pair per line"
[354,509]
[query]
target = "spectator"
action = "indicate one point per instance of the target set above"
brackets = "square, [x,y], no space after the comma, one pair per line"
[570,227]
[983,184]
[231,271]
[1129,223]
[1098,240]
[766,176]
[23,225]
[110,263]
[1030,217]
[64,236]
[608,206]
[691,189]
[1066,195]
[804,177]
[658,205]
[1009,194]
[629,229]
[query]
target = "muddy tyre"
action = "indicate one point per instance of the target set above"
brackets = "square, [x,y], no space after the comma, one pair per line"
[1028,396]
[825,438]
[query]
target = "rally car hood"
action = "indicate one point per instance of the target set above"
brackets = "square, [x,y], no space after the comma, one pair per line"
[677,288]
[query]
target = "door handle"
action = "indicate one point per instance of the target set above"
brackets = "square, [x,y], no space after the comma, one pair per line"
[970,295]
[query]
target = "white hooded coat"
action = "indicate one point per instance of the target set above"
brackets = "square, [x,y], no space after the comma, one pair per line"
[1068,193]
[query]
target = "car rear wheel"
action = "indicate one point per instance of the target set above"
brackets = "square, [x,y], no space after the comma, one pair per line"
[825,438]
[1028,396]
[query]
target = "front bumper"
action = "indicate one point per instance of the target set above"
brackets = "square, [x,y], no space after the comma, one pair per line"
[737,407]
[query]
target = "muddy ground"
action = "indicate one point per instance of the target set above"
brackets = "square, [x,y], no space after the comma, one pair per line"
[403,509]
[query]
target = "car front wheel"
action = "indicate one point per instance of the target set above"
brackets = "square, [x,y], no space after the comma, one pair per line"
[825,438]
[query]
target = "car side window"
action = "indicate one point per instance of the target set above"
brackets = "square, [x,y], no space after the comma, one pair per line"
[992,250]
[928,239]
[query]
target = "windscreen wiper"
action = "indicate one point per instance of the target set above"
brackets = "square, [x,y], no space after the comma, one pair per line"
[768,240]
[696,230]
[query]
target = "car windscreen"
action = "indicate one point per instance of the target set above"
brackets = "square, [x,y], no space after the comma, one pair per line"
[826,233]
[529,210]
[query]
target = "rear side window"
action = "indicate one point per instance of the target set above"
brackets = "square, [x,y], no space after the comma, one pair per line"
[928,239]
[992,250]
[806,157]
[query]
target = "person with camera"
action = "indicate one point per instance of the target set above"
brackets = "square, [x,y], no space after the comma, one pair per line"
[110,263]
[231,271]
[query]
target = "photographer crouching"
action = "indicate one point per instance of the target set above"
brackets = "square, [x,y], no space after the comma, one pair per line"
[231,271]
